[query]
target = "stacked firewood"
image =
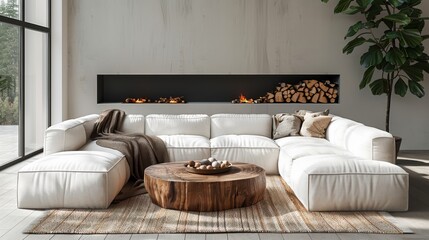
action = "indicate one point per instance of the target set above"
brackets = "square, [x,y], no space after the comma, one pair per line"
[306,91]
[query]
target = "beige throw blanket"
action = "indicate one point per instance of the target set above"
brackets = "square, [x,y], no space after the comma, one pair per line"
[141,151]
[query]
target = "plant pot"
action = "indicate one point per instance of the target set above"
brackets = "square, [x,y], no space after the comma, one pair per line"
[398,141]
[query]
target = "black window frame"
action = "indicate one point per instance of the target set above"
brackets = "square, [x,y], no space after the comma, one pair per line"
[23,25]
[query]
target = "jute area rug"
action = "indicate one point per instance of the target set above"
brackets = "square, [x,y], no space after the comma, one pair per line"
[279,212]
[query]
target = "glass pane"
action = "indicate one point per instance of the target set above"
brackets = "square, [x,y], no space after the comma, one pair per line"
[36,11]
[36,75]
[9,92]
[10,8]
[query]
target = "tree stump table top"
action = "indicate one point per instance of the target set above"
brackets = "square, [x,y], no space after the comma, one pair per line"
[170,186]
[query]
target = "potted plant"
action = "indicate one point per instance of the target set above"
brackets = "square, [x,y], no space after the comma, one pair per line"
[395,60]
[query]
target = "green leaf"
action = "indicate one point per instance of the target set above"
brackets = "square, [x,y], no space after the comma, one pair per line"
[412,12]
[392,35]
[354,29]
[364,3]
[389,68]
[353,10]
[342,6]
[423,58]
[373,12]
[416,23]
[353,44]
[401,88]
[410,37]
[399,18]
[416,89]
[414,53]
[367,77]
[413,3]
[379,86]
[396,3]
[422,65]
[395,56]
[373,57]
[414,72]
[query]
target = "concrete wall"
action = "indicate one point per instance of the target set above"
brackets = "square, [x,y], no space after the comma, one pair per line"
[226,36]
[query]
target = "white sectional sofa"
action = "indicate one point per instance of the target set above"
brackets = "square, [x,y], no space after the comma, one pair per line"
[352,169]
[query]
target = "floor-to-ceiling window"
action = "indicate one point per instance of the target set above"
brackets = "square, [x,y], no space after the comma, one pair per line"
[24,77]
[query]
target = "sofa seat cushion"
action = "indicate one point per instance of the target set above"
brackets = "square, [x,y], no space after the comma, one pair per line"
[331,182]
[74,179]
[296,147]
[254,149]
[186,147]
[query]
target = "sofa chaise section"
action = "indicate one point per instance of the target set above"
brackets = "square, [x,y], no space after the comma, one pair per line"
[348,171]
[72,179]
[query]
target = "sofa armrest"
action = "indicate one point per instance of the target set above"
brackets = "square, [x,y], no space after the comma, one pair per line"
[363,141]
[65,136]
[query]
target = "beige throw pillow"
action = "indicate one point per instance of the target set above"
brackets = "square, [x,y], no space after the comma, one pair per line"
[315,125]
[285,124]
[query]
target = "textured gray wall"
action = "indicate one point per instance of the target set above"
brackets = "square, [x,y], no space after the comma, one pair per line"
[226,36]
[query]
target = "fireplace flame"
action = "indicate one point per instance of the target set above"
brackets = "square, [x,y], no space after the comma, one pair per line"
[243,99]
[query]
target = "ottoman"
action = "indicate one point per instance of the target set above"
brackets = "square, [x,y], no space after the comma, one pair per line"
[73,179]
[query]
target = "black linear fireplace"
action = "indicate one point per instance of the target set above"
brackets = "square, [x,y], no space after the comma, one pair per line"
[261,88]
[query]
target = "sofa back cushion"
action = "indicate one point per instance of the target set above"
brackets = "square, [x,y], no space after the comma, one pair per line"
[133,124]
[241,124]
[363,141]
[183,124]
[66,136]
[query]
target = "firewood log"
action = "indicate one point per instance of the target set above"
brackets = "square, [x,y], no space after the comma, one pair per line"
[269,95]
[323,87]
[311,83]
[295,97]
[332,100]
[331,90]
[322,98]
[279,97]
[288,100]
[313,90]
[315,98]
[302,98]
[282,84]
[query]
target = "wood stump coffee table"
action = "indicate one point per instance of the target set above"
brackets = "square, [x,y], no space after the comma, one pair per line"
[170,186]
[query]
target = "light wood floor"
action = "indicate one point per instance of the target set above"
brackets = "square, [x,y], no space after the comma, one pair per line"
[13,220]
